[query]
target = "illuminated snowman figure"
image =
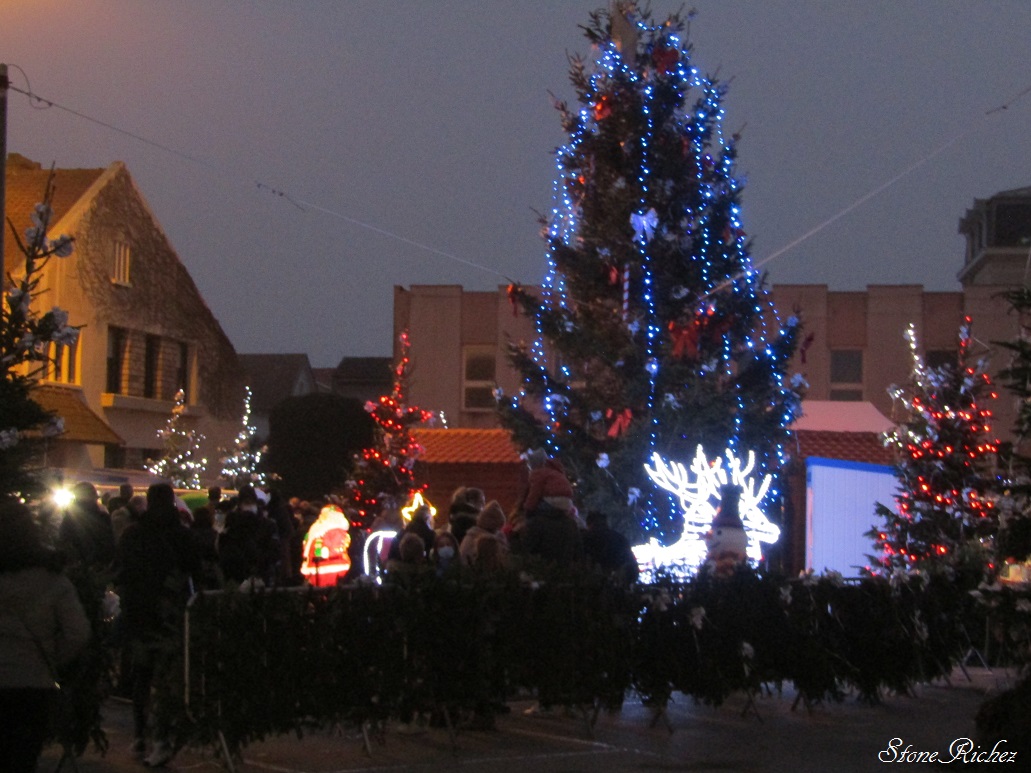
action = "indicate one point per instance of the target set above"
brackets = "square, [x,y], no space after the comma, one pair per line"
[325,548]
[727,541]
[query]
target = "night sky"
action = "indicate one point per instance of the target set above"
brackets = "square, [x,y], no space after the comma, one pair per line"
[304,157]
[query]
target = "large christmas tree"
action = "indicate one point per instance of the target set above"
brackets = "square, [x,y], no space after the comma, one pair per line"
[656,334]
[944,509]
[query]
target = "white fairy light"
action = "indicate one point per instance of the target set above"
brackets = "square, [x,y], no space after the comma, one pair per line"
[698,490]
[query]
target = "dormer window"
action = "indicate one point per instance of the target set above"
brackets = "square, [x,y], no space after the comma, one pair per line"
[120,269]
[1011,224]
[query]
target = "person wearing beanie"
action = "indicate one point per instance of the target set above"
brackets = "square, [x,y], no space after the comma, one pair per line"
[488,527]
[547,485]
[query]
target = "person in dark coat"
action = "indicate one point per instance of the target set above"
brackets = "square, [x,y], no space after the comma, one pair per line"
[157,562]
[466,504]
[420,526]
[608,549]
[552,535]
[43,627]
[248,548]
[86,534]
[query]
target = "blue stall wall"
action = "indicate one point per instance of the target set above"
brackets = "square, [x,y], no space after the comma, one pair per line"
[841,498]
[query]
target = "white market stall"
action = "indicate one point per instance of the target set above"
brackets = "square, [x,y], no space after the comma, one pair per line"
[842,494]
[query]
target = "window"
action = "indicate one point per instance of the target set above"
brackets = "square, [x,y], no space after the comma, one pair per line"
[117,341]
[62,366]
[182,371]
[151,353]
[120,268]
[846,374]
[1012,224]
[479,372]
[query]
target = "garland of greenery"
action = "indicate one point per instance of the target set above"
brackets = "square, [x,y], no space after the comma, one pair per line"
[271,662]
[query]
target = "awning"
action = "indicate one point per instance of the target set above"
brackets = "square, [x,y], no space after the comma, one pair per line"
[81,425]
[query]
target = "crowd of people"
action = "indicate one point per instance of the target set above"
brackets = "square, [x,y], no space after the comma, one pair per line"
[545,526]
[156,553]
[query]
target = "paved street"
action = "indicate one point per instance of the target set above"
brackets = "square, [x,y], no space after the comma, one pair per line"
[832,737]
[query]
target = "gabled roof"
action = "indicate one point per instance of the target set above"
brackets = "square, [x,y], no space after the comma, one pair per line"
[81,424]
[26,183]
[364,370]
[847,446]
[841,416]
[851,431]
[274,377]
[466,446]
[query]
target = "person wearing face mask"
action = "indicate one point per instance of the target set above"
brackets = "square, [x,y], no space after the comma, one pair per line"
[445,551]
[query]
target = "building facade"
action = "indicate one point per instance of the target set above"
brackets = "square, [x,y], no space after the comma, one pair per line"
[146,332]
[854,344]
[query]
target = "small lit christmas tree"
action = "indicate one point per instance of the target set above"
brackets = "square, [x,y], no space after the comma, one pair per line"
[384,471]
[656,335]
[181,464]
[243,465]
[943,509]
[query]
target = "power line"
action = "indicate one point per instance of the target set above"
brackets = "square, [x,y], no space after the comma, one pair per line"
[275,191]
[304,205]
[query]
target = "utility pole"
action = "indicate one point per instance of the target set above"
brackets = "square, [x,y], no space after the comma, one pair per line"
[4,83]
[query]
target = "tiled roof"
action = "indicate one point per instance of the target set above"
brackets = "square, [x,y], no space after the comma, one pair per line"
[841,416]
[81,425]
[847,446]
[26,183]
[467,446]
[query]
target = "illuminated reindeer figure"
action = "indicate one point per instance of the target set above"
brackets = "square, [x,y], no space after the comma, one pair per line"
[698,490]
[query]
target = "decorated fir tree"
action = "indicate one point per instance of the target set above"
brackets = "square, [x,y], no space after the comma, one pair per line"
[29,342]
[242,465]
[1015,521]
[181,464]
[384,471]
[656,334]
[1017,377]
[944,514]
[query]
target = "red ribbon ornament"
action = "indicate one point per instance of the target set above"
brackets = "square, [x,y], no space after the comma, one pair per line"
[685,340]
[665,58]
[620,421]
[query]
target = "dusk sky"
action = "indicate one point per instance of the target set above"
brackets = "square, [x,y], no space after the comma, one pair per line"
[412,141]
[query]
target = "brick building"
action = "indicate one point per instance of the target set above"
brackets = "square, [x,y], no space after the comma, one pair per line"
[855,347]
